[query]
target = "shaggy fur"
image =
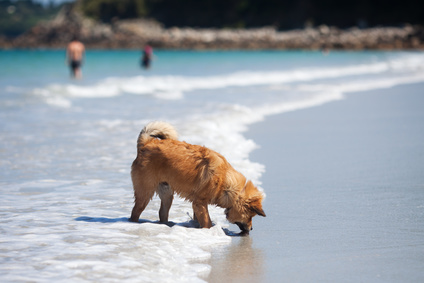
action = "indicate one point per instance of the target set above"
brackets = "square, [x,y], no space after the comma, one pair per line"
[202,176]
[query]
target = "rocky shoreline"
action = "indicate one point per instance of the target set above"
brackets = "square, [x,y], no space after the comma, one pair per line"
[134,34]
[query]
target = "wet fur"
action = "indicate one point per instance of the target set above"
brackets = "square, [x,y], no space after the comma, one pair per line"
[202,176]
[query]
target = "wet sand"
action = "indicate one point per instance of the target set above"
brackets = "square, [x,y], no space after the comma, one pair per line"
[345,194]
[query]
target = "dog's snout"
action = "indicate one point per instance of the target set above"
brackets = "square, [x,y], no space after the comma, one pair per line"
[244,227]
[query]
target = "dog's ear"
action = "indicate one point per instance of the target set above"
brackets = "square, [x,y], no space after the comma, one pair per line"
[256,207]
[254,197]
[259,211]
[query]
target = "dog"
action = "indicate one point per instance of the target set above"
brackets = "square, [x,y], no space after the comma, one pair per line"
[165,165]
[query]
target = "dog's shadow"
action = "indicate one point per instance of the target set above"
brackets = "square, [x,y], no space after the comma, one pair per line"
[188,224]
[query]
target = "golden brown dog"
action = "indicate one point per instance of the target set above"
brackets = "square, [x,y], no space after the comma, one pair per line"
[165,165]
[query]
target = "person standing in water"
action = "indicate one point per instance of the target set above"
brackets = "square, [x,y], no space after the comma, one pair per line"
[75,56]
[147,56]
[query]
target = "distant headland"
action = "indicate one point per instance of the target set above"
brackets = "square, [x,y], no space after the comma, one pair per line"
[135,33]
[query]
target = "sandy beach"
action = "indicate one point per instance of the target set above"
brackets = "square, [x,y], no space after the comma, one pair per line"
[345,194]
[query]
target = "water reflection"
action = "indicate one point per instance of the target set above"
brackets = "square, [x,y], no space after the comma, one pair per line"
[241,261]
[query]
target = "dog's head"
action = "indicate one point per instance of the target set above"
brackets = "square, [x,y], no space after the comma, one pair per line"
[246,207]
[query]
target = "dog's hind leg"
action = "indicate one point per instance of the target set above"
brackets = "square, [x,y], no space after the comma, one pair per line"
[140,203]
[166,196]
[200,210]
[138,208]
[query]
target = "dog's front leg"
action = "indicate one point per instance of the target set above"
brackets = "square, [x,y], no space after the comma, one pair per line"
[201,213]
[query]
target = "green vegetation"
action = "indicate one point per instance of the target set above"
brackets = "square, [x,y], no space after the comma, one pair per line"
[17,17]
[284,14]
[109,10]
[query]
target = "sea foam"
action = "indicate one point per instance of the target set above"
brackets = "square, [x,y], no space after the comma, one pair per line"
[175,87]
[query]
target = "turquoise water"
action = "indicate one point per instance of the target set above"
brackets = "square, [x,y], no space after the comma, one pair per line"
[66,148]
[49,66]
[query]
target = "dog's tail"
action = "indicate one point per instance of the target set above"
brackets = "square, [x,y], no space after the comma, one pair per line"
[157,129]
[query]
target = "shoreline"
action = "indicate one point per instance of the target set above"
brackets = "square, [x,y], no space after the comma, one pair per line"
[135,34]
[344,194]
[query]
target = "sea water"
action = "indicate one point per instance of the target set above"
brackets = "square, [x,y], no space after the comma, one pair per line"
[66,147]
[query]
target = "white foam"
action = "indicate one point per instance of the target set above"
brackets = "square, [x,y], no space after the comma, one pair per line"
[77,232]
[363,84]
[174,87]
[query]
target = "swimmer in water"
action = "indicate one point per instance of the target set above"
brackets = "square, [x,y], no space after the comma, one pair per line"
[147,57]
[75,55]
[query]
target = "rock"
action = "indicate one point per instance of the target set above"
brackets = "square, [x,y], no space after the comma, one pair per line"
[136,33]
